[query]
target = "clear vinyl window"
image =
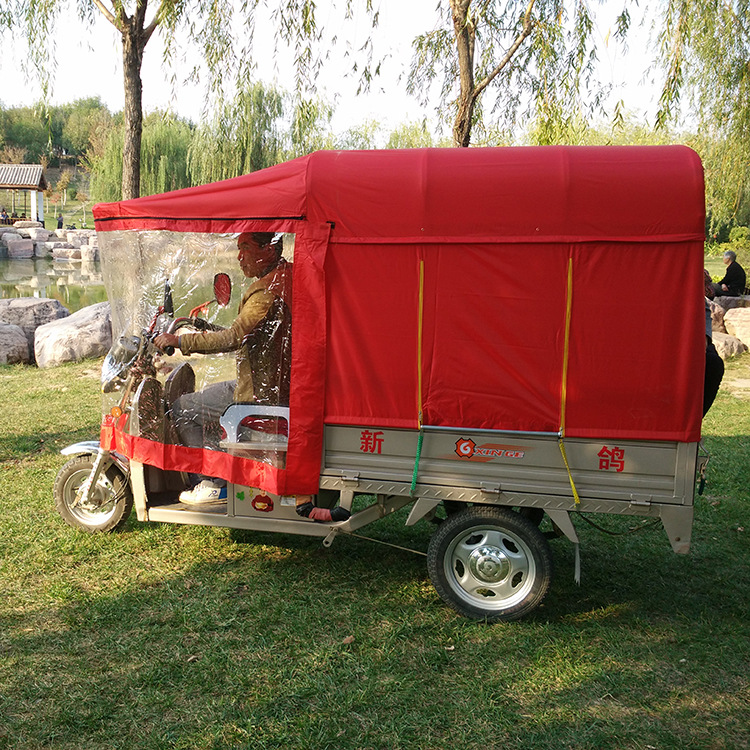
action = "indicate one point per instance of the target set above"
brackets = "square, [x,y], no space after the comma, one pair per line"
[202,336]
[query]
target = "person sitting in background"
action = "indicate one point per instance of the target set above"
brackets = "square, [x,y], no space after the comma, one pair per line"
[733,283]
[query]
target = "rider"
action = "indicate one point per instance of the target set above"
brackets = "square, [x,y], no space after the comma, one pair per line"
[261,335]
[262,373]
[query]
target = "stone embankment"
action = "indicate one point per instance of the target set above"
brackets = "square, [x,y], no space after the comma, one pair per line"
[29,239]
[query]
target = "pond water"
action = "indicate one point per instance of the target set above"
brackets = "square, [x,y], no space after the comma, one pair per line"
[76,284]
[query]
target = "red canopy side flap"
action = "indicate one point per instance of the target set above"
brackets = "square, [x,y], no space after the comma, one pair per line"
[493,336]
[620,383]
[371,375]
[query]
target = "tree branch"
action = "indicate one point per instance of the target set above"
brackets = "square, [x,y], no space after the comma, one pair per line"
[107,13]
[155,22]
[528,27]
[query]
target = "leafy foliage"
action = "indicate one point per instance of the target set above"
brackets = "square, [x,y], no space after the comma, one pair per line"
[530,58]
[164,150]
[705,49]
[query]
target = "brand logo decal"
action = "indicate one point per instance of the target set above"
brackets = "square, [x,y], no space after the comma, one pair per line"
[467,448]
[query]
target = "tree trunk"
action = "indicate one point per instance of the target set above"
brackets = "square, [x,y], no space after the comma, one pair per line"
[133,43]
[464,31]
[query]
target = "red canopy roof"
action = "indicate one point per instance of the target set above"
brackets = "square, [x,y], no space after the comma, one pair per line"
[533,194]
[533,289]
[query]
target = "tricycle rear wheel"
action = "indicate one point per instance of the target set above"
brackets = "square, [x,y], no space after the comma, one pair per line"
[111,499]
[490,563]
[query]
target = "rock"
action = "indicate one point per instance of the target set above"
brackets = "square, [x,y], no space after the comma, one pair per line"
[88,253]
[27,224]
[717,317]
[45,249]
[737,322]
[729,303]
[83,335]
[66,253]
[74,239]
[14,348]
[727,346]
[7,236]
[29,313]
[20,249]
[40,235]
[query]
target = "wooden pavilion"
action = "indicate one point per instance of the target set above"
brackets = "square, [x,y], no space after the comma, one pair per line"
[29,181]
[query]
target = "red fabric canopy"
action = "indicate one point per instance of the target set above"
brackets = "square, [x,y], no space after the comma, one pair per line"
[535,289]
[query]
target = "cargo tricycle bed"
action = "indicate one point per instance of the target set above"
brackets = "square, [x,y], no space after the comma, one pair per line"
[470,332]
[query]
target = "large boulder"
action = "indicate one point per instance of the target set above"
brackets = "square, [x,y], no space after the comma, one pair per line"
[14,348]
[737,322]
[730,303]
[29,313]
[717,317]
[83,335]
[727,346]
[9,234]
[39,234]
[20,248]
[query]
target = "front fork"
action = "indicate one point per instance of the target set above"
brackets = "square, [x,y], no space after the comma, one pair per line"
[102,461]
[83,496]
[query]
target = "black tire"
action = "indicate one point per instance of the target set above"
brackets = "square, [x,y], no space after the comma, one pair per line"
[490,563]
[535,515]
[111,500]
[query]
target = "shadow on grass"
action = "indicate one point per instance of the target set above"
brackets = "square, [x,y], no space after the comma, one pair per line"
[188,637]
[21,446]
[210,638]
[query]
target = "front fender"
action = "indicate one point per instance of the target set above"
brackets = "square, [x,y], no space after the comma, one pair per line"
[91,448]
[87,447]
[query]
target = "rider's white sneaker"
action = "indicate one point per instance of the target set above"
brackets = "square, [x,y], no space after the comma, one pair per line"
[207,491]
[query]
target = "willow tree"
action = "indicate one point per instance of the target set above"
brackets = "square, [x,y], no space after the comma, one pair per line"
[243,136]
[704,49]
[530,55]
[207,25]
[165,144]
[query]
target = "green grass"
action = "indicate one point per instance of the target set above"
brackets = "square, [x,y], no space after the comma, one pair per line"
[198,638]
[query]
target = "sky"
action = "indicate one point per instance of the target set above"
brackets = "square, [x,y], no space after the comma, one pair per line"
[89,64]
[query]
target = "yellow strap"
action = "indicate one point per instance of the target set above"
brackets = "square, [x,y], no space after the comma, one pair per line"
[564,385]
[566,347]
[420,317]
[576,496]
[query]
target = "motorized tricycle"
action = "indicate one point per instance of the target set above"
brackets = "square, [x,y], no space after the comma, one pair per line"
[469,337]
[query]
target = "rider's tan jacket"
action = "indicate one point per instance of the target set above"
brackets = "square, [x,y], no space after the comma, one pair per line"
[255,304]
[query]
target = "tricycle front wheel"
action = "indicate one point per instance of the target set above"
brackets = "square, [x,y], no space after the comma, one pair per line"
[111,498]
[490,563]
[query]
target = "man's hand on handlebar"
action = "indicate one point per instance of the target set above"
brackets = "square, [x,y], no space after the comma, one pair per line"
[167,342]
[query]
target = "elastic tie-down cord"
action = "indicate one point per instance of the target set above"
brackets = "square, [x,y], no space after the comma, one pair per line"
[563,406]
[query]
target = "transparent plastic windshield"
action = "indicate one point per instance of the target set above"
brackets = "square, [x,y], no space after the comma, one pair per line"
[202,339]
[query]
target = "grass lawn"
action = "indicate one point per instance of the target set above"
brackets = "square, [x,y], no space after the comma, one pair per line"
[200,638]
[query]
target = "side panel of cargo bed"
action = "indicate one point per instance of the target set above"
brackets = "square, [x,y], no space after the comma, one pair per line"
[521,469]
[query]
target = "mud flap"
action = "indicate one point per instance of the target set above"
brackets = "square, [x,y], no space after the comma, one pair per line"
[678,523]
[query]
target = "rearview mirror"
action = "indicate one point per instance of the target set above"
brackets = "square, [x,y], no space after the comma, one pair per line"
[222,289]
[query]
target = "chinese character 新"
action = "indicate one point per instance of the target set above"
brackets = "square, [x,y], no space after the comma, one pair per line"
[371,442]
[611,459]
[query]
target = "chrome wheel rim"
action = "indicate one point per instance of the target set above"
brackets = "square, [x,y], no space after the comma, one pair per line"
[490,567]
[102,503]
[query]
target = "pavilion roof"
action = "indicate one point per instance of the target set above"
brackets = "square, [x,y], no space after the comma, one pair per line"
[22,176]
